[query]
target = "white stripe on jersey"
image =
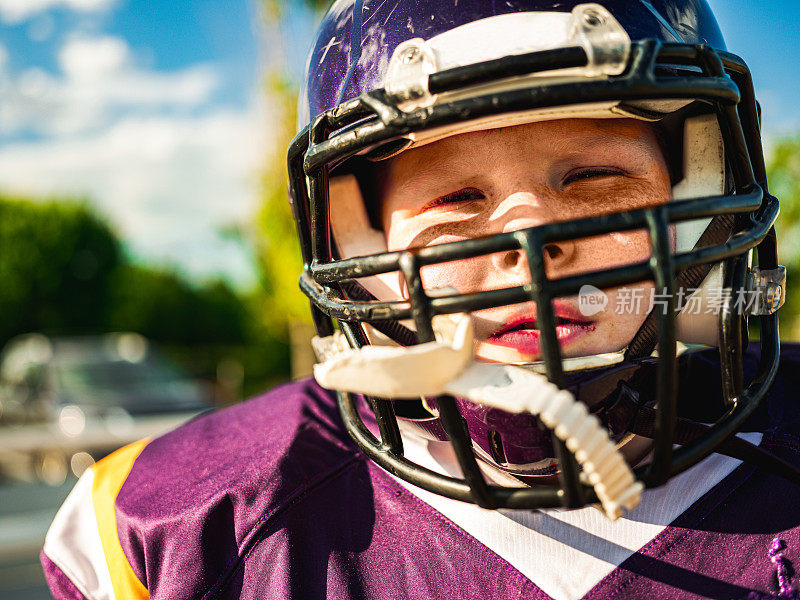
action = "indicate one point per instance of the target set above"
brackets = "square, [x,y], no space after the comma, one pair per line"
[73,543]
[566,553]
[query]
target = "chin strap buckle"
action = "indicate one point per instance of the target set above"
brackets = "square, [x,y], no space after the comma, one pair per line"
[768,287]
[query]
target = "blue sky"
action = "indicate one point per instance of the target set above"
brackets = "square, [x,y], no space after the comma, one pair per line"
[153,109]
[163,36]
[766,34]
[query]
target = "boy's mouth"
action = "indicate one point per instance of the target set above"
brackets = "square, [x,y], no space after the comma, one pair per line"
[521,333]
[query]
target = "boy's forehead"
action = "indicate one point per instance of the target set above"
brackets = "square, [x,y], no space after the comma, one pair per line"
[546,137]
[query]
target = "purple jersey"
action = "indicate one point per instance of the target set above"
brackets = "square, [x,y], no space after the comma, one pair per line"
[271,499]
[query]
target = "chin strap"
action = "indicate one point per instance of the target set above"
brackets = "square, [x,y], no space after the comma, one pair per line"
[446,366]
[687,431]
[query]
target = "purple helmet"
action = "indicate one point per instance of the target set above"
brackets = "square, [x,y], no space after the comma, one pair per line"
[356,40]
[385,76]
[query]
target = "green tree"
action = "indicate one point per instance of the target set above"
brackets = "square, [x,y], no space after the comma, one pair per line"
[201,326]
[277,247]
[63,273]
[165,307]
[56,260]
[284,309]
[783,169]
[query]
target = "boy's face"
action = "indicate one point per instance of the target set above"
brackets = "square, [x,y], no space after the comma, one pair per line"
[500,180]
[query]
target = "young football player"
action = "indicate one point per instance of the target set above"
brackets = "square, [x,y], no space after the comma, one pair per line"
[533,233]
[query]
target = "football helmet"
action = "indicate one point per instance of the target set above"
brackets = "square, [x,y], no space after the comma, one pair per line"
[383,77]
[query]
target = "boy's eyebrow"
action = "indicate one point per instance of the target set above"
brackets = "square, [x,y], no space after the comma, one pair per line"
[611,131]
[423,168]
[620,127]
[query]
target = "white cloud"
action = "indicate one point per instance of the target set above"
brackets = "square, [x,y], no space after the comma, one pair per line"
[88,59]
[16,11]
[149,148]
[99,78]
[168,184]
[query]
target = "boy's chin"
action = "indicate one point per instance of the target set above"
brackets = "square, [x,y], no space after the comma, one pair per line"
[489,352]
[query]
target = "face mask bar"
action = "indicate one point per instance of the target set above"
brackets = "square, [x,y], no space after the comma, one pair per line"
[359,124]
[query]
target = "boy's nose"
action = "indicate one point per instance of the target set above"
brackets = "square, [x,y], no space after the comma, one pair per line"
[559,253]
[528,209]
[556,256]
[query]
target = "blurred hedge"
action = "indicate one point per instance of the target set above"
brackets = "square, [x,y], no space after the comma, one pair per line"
[56,263]
[63,272]
[783,172]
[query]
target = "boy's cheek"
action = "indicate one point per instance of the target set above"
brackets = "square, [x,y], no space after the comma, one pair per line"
[614,250]
[421,232]
[466,276]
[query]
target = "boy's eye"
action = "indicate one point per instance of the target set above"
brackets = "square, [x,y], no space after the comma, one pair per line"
[463,195]
[590,173]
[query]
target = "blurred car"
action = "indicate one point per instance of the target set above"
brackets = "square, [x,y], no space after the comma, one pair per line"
[64,402]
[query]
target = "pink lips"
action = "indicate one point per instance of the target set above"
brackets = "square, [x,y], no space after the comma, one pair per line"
[520,333]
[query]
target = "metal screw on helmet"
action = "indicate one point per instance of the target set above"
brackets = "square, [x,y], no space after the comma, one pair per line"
[768,287]
[774,297]
[592,18]
[408,72]
[411,55]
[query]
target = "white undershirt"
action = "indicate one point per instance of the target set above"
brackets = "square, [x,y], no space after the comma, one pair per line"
[551,546]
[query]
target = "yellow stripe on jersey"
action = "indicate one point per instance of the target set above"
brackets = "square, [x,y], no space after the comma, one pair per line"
[109,475]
